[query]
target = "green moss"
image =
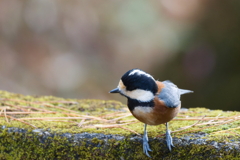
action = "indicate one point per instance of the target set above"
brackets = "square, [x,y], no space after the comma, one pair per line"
[28,145]
[23,146]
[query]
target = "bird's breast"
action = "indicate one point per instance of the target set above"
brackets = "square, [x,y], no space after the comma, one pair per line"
[155,115]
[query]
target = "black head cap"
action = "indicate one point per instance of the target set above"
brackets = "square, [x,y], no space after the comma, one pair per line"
[138,79]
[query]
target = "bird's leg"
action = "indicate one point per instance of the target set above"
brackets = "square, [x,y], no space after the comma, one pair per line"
[169,138]
[146,147]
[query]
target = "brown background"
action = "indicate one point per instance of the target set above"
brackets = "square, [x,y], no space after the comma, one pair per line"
[80,49]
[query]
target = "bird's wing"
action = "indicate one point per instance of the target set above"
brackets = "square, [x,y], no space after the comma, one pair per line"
[170,94]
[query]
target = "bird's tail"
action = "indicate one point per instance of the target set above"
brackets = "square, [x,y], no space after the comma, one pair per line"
[184,91]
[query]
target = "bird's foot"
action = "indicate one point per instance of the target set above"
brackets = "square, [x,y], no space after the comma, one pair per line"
[169,140]
[146,147]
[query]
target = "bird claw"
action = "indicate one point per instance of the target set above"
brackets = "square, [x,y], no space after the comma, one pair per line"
[169,140]
[146,147]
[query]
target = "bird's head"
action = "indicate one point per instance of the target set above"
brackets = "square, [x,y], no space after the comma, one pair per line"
[137,84]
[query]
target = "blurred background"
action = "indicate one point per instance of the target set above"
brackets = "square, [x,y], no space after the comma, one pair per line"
[80,49]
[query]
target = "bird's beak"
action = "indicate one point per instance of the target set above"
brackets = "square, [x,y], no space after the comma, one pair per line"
[116,90]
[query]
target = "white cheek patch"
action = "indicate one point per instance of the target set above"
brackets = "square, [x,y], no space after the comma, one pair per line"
[139,72]
[140,95]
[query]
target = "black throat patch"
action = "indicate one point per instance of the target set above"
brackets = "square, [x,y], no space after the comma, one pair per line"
[132,103]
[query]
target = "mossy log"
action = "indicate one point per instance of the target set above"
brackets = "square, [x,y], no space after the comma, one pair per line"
[48,127]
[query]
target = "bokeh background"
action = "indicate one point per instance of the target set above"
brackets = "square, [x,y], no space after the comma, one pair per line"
[80,49]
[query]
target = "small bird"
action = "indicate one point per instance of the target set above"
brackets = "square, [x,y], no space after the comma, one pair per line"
[151,102]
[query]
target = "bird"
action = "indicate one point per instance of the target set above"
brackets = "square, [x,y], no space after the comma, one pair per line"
[150,101]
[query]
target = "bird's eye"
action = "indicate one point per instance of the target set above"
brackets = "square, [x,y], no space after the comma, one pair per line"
[131,88]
